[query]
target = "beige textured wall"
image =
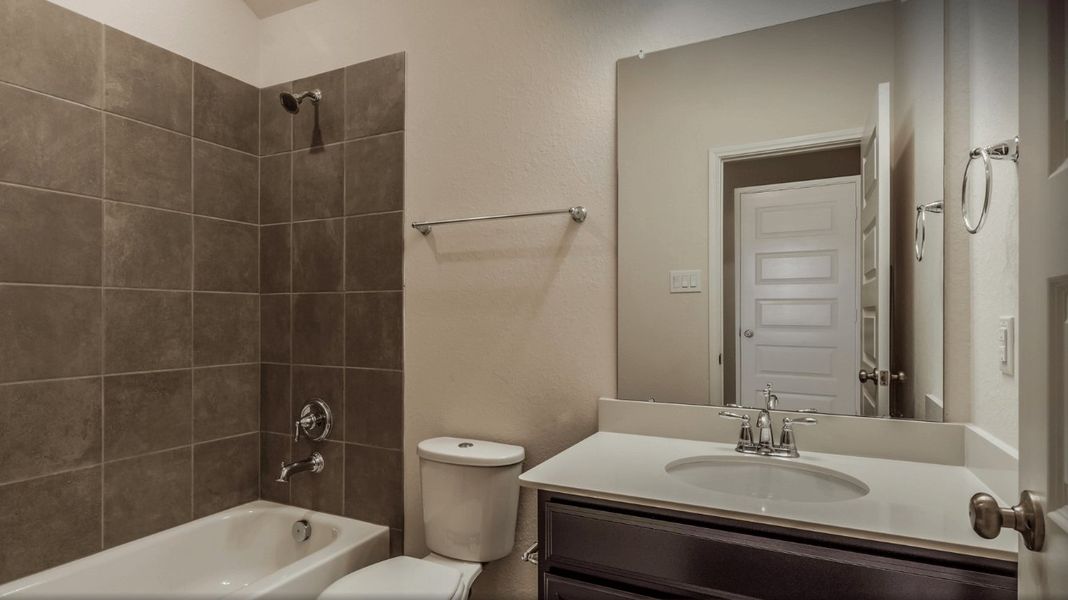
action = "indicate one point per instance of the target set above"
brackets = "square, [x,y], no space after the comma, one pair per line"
[801,78]
[918,139]
[982,270]
[221,34]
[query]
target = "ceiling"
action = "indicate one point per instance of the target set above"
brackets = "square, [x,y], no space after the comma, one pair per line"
[267,8]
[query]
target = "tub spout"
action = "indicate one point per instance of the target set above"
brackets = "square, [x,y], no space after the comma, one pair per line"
[313,463]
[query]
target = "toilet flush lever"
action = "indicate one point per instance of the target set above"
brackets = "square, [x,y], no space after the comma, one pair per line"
[315,421]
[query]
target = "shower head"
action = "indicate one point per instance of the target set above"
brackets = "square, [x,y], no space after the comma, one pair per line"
[291,102]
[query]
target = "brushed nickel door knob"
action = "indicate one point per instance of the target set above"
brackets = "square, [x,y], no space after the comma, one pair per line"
[988,519]
[748,333]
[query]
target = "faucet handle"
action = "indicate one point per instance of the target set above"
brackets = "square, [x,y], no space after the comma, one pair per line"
[727,414]
[787,421]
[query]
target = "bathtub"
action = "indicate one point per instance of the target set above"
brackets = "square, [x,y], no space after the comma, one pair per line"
[245,552]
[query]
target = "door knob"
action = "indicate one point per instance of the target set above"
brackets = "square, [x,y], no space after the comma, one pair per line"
[864,376]
[988,518]
[748,333]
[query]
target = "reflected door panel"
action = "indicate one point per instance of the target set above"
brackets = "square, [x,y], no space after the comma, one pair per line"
[797,293]
[875,256]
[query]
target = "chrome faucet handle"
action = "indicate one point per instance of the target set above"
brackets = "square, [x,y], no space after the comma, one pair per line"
[315,421]
[787,445]
[745,436]
[726,414]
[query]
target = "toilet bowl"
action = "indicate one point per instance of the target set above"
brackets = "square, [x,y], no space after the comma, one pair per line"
[405,578]
[470,502]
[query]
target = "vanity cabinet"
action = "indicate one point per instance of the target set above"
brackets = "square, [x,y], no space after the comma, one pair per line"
[598,550]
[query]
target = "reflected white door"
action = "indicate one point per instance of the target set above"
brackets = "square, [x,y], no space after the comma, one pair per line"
[875,258]
[1043,338]
[797,293]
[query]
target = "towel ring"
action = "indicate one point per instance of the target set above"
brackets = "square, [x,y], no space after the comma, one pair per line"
[1007,150]
[921,225]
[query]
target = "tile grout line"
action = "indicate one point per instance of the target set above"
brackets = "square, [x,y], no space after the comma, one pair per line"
[106,113]
[344,284]
[104,198]
[111,288]
[125,373]
[192,285]
[104,462]
[103,258]
[259,295]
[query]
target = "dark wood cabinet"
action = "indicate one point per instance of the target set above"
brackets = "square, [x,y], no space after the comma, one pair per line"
[599,550]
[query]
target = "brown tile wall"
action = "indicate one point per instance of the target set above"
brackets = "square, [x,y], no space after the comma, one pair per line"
[331,258]
[129,288]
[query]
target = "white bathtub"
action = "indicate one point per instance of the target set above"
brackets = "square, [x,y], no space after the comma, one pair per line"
[245,552]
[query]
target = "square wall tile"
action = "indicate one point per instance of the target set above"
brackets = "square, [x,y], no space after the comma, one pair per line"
[324,122]
[325,383]
[276,125]
[374,252]
[50,143]
[51,49]
[275,409]
[225,329]
[374,174]
[274,259]
[226,401]
[225,473]
[62,417]
[274,328]
[374,329]
[374,407]
[318,183]
[146,494]
[226,256]
[147,248]
[146,330]
[55,520]
[48,332]
[276,186]
[147,412]
[374,485]
[274,450]
[146,82]
[225,183]
[147,165]
[319,491]
[317,252]
[318,329]
[374,96]
[46,237]
[225,110]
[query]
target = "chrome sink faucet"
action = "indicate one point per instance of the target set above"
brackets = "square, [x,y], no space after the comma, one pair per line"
[765,441]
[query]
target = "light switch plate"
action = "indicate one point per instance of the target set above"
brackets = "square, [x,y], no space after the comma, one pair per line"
[1006,340]
[685,282]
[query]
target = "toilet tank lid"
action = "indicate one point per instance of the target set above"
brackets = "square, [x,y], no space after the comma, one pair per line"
[475,453]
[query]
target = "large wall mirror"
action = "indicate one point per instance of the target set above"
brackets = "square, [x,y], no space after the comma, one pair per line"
[780,216]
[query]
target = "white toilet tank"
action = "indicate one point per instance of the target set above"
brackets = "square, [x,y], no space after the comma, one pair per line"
[470,497]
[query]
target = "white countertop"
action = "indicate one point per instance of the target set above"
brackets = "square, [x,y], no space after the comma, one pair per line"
[913,503]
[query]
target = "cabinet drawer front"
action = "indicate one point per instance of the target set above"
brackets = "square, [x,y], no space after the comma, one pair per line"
[707,561]
[562,588]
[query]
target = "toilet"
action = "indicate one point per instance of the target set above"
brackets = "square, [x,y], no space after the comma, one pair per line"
[470,501]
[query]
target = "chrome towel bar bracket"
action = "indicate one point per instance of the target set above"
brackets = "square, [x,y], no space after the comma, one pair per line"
[578,215]
[1007,150]
[921,225]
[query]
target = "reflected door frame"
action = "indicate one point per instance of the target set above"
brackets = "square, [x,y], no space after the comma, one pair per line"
[716,158]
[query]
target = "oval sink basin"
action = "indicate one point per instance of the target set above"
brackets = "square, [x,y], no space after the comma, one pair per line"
[768,478]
